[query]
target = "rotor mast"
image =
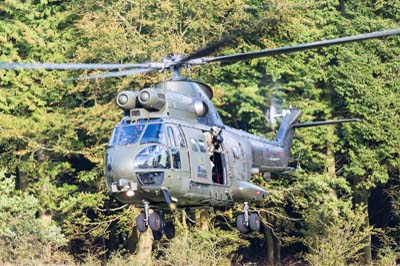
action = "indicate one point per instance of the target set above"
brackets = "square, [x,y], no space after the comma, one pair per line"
[174,68]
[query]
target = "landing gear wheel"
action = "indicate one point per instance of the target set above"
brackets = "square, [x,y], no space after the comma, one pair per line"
[155,221]
[169,230]
[141,223]
[254,222]
[157,235]
[240,224]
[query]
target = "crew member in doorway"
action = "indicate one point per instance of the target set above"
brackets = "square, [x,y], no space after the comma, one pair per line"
[213,139]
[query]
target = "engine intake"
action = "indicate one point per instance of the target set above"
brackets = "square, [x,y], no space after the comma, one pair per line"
[200,108]
[152,99]
[127,100]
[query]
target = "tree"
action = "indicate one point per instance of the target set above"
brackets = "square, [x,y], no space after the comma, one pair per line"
[20,229]
[53,131]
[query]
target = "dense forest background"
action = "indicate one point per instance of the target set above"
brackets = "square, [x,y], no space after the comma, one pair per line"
[342,205]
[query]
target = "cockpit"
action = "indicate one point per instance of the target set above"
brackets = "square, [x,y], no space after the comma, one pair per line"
[150,153]
[129,132]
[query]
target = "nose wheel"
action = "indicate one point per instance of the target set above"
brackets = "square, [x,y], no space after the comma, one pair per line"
[248,221]
[141,223]
[155,222]
[142,220]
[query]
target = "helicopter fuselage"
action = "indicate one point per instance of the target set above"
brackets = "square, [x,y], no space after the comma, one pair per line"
[158,152]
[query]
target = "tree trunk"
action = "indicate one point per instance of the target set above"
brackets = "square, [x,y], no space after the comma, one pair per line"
[45,215]
[277,251]
[342,7]
[144,248]
[46,218]
[21,180]
[367,250]
[268,237]
[133,240]
[361,196]
[202,219]
[330,158]
[185,229]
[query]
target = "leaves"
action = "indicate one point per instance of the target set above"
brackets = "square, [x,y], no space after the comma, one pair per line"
[53,132]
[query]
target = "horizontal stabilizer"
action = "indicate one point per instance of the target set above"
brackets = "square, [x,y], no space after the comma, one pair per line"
[327,122]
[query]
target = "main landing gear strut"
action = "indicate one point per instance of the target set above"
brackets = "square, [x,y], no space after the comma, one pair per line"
[155,221]
[248,221]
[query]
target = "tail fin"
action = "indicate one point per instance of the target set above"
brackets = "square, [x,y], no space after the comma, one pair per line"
[284,137]
[271,156]
[285,132]
[289,122]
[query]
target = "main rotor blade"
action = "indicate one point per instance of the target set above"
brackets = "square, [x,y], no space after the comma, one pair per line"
[117,74]
[66,66]
[295,48]
[208,49]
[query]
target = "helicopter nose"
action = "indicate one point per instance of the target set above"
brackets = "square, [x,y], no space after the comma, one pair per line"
[121,163]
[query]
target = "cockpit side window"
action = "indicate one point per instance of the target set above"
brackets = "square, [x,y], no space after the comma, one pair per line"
[180,137]
[171,137]
[114,136]
[154,134]
[175,154]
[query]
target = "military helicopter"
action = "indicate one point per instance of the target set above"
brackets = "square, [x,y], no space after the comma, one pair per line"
[171,147]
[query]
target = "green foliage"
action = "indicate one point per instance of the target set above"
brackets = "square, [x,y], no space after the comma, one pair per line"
[387,256]
[213,247]
[20,229]
[341,241]
[53,133]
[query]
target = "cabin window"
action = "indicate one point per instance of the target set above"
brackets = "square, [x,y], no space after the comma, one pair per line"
[154,134]
[171,137]
[202,146]
[181,140]
[194,145]
[154,156]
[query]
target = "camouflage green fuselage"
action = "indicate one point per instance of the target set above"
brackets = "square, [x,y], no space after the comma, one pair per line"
[159,147]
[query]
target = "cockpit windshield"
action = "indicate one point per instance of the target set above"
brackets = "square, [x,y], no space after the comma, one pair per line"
[154,134]
[129,132]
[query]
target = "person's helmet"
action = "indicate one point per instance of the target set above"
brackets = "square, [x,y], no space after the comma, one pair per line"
[214,131]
